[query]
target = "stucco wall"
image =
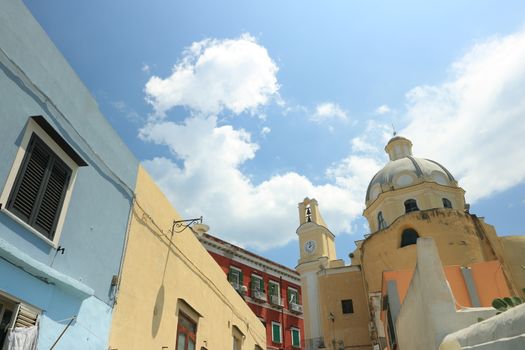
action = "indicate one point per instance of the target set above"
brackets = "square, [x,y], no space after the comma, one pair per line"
[429,307]
[157,274]
[457,239]
[514,257]
[36,80]
[336,285]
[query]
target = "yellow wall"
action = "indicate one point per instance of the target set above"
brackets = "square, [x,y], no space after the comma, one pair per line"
[339,284]
[455,233]
[157,274]
[427,194]
[514,259]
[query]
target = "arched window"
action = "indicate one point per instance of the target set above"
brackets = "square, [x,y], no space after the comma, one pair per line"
[408,237]
[446,203]
[411,205]
[381,223]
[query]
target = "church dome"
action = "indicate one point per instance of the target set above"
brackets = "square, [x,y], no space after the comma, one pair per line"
[404,170]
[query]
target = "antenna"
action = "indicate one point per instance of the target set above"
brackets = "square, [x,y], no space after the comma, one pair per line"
[394,132]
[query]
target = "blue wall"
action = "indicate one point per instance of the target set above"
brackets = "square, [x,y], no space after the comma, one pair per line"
[36,80]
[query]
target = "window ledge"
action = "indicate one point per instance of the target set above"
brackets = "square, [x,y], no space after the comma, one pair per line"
[42,271]
[29,228]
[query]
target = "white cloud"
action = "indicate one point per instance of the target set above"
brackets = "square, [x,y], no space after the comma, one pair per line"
[213,75]
[209,182]
[383,109]
[328,111]
[146,68]
[474,123]
[204,175]
[265,131]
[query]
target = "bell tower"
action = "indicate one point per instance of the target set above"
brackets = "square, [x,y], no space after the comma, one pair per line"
[315,240]
[317,251]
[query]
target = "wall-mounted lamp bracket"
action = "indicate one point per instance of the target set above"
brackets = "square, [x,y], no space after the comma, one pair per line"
[181,225]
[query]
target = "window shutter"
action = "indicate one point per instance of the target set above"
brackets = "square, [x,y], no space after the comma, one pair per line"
[276,328]
[241,279]
[40,188]
[26,316]
[261,284]
[55,191]
[289,295]
[295,338]
[230,275]
[29,181]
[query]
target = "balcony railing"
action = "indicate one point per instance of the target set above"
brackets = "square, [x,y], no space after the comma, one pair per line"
[258,295]
[296,308]
[276,300]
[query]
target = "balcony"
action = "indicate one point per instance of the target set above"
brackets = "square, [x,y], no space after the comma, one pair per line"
[257,295]
[296,308]
[276,300]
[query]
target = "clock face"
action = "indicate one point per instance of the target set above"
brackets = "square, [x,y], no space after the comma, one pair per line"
[309,246]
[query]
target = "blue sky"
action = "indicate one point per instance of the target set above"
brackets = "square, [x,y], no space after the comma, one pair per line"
[241,109]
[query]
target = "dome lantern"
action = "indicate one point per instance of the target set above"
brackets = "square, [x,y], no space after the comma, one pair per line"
[398,147]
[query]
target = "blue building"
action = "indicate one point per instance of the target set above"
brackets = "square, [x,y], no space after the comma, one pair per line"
[66,183]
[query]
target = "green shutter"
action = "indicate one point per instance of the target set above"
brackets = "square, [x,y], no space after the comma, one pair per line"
[241,281]
[276,333]
[289,295]
[261,284]
[230,277]
[271,289]
[295,338]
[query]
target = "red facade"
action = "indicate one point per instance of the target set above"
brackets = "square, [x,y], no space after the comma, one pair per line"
[252,266]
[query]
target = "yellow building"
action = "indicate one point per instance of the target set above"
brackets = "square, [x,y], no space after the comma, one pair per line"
[407,199]
[172,294]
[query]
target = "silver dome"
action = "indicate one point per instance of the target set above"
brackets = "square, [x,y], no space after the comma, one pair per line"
[407,171]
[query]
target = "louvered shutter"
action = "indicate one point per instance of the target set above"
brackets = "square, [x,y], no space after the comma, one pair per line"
[52,199]
[29,181]
[26,316]
[40,188]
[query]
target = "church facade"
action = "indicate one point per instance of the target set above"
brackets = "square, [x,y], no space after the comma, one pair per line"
[356,306]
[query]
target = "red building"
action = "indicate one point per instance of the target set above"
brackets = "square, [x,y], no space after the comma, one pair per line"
[272,291]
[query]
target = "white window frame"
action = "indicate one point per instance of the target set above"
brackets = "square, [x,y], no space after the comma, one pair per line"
[292,329]
[280,333]
[239,272]
[33,128]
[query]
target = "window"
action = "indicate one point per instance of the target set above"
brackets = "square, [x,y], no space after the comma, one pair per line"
[235,277]
[238,337]
[296,337]
[186,333]
[236,343]
[274,290]
[381,223]
[257,283]
[447,203]
[411,205]
[15,314]
[391,329]
[276,332]
[347,306]
[293,296]
[408,237]
[39,186]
